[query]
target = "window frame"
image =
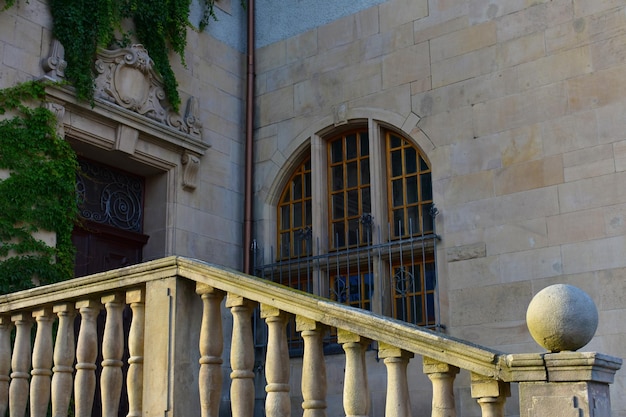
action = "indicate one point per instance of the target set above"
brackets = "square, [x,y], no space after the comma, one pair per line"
[319,155]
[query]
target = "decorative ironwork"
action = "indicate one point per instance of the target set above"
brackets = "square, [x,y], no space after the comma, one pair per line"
[404,280]
[434,211]
[110,197]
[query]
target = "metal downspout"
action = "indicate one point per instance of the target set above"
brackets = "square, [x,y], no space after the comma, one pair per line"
[249,161]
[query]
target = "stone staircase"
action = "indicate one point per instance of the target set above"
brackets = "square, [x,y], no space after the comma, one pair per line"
[174,348]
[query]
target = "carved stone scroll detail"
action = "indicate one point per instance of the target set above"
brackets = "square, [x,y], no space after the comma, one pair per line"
[54,65]
[191,166]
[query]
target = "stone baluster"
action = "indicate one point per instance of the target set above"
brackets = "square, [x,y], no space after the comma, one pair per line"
[396,360]
[490,394]
[134,378]
[211,348]
[20,365]
[111,379]
[241,357]
[442,377]
[314,385]
[5,362]
[356,401]
[277,401]
[42,364]
[86,354]
[64,350]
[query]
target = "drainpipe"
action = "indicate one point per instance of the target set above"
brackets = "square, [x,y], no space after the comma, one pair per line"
[248,195]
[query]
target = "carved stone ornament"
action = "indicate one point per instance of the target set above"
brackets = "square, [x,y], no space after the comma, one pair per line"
[191,166]
[126,77]
[54,65]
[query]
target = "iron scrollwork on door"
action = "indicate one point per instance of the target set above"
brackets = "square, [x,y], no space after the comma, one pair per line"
[110,197]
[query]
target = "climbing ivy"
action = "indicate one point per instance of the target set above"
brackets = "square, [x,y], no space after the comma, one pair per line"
[37,192]
[84,25]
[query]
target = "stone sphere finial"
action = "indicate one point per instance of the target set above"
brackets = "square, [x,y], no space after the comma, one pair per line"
[562,317]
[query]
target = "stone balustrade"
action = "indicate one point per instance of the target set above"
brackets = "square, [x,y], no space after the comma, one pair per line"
[176,303]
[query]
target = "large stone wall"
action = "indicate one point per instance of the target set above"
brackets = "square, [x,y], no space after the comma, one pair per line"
[520,111]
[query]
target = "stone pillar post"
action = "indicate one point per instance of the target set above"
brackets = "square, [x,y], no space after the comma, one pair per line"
[314,385]
[356,397]
[563,319]
[241,357]
[442,376]
[277,401]
[577,385]
[211,348]
[173,314]
[490,394]
[397,402]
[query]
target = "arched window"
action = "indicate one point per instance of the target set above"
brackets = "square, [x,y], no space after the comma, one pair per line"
[372,243]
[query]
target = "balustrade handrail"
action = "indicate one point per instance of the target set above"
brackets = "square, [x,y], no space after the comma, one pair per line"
[160,289]
[444,348]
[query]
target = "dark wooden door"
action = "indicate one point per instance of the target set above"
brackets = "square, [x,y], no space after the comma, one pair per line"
[102,248]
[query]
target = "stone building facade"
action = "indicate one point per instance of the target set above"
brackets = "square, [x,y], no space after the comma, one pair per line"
[514,106]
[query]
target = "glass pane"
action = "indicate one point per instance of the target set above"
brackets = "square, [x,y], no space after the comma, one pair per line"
[427,188]
[308,216]
[365,144]
[339,236]
[413,221]
[402,309]
[286,197]
[337,180]
[430,307]
[395,141]
[297,215]
[398,222]
[397,193]
[423,164]
[352,174]
[410,161]
[307,165]
[430,276]
[396,163]
[354,291]
[284,245]
[419,314]
[296,186]
[297,247]
[366,200]
[307,184]
[338,212]
[365,172]
[284,218]
[351,146]
[353,232]
[353,203]
[411,189]
[336,151]
[417,273]
[427,219]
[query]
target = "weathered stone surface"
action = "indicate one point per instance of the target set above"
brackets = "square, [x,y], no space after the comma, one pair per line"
[562,317]
[460,253]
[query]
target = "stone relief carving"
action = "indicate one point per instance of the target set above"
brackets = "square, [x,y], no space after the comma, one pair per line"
[127,78]
[55,64]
